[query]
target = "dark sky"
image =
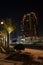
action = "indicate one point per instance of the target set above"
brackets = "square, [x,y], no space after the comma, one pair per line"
[17,8]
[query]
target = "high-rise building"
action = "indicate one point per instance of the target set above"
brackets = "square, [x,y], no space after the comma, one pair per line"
[29,22]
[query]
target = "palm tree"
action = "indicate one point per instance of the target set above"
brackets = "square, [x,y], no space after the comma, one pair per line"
[9,25]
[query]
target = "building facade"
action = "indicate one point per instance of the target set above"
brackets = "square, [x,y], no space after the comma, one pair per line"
[30,24]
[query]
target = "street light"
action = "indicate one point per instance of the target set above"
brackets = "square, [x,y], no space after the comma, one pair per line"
[2,23]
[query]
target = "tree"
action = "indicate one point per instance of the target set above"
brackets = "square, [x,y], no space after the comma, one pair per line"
[9,25]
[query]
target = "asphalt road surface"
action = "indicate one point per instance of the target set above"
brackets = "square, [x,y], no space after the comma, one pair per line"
[36,54]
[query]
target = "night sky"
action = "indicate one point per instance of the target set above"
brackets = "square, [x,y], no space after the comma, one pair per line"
[17,8]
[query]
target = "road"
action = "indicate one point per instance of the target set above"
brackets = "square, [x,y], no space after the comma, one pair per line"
[34,52]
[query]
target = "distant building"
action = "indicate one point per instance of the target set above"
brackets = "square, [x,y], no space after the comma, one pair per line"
[29,22]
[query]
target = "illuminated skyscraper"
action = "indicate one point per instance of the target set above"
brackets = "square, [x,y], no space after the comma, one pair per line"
[29,22]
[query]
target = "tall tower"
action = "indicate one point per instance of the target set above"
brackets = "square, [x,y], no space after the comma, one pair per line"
[29,22]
